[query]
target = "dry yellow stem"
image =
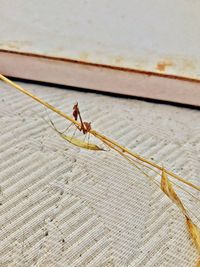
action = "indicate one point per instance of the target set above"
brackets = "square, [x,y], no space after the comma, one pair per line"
[96,134]
[123,149]
[75,141]
[167,188]
[80,143]
[194,232]
[193,229]
[198,263]
[166,185]
[44,103]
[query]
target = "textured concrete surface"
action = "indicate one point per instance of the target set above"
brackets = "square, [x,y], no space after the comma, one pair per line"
[63,206]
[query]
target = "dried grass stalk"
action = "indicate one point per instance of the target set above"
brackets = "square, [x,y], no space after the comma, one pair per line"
[132,157]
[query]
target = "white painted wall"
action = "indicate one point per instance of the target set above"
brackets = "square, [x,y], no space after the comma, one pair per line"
[151,35]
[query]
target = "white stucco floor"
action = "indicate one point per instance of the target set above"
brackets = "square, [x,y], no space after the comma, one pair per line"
[63,206]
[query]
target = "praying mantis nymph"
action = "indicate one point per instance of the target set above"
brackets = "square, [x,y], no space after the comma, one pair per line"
[165,184]
[85,128]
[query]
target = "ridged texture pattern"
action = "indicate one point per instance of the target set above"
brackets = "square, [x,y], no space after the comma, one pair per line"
[67,207]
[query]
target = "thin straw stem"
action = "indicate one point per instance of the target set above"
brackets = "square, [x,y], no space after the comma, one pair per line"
[96,134]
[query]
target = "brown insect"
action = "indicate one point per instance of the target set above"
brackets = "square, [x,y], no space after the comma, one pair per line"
[85,126]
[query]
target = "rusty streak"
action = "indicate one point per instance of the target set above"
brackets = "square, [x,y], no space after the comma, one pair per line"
[149,73]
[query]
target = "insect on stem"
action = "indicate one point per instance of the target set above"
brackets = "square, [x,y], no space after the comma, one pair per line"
[85,126]
[135,159]
[96,134]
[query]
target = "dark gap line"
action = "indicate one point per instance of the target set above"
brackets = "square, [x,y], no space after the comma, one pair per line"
[112,94]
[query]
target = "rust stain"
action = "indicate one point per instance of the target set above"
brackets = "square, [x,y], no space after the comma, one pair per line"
[161,66]
[90,64]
